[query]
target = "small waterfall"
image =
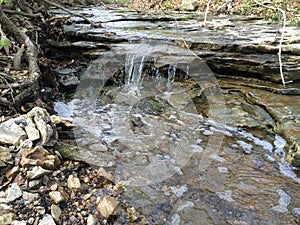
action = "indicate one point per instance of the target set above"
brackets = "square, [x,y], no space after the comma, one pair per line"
[134,65]
[171,76]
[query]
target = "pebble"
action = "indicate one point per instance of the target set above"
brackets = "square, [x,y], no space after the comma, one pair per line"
[13,193]
[30,197]
[36,172]
[108,206]
[40,210]
[23,222]
[132,214]
[33,184]
[47,220]
[54,187]
[56,196]
[6,218]
[73,183]
[91,220]
[55,211]
[103,173]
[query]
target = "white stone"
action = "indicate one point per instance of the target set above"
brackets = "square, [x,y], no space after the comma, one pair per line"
[73,183]
[47,220]
[32,133]
[40,210]
[91,220]
[36,172]
[23,222]
[14,192]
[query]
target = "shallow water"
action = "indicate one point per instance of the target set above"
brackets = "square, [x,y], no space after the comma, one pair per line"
[186,153]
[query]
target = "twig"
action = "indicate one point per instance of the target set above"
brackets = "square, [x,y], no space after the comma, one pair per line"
[10,88]
[282,36]
[73,14]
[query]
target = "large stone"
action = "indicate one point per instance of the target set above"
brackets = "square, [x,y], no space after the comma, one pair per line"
[80,154]
[108,206]
[11,132]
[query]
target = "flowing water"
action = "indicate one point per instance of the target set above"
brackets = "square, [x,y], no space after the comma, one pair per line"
[179,164]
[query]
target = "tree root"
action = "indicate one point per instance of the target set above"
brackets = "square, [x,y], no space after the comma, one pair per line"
[31,54]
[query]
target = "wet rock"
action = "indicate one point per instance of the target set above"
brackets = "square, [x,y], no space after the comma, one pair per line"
[108,206]
[60,121]
[56,212]
[80,154]
[283,202]
[69,81]
[226,195]
[56,196]
[175,219]
[132,214]
[37,172]
[14,192]
[47,220]
[7,218]
[179,191]
[98,147]
[73,183]
[30,197]
[11,132]
[38,156]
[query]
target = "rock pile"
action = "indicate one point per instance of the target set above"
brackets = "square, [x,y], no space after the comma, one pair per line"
[39,187]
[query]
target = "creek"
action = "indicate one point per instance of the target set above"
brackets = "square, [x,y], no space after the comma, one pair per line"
[194,140]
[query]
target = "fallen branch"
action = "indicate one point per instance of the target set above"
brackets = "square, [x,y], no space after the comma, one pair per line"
[73,14]
[282,35]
